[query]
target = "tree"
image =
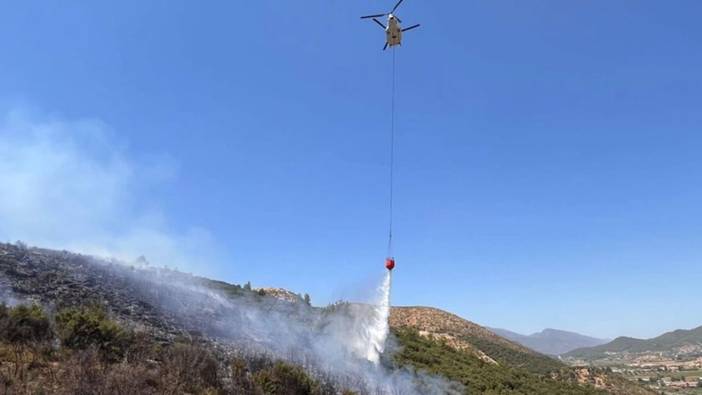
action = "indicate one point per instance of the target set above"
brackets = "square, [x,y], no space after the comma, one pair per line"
[308,300]
[142,261]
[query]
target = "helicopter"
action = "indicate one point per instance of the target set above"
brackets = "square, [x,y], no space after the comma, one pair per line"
[393,31]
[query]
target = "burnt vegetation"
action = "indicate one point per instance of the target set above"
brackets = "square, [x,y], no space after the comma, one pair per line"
[83,351]
[94,327]
[116,328]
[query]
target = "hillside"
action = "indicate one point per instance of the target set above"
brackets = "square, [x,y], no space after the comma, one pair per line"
[245,331]
[484,362]
[477,375]
[464,335]
[168,328]
[486,378]
[676,342]
[551,341]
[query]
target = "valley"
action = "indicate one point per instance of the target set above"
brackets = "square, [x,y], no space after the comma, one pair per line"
[670,363]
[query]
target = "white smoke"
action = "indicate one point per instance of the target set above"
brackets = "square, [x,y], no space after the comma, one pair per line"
[69,184]
[343,344]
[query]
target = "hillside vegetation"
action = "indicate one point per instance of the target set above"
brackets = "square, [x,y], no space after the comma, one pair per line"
[83,351]
[467,336]
[476,375]
[443,343]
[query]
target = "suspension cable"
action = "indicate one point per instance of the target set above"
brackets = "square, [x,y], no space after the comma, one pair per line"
[392,152]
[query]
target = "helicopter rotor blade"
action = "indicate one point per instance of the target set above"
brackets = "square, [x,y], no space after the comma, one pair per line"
[398,18]
[385,47]
[372,16]
[396,5]
[411,27]
[380,23]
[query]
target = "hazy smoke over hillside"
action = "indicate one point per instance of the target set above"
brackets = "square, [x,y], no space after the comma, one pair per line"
[344,341]
[340,345]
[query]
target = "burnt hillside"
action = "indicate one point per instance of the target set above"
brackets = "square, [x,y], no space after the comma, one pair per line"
[329,344]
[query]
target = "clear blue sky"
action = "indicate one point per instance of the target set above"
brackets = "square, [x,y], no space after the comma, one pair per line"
[548,152]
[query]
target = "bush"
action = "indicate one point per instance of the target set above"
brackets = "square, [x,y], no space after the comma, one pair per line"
[83,328]
[189,368]
[283,379]
[24,325]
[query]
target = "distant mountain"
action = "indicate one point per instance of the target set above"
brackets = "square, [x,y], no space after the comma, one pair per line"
[551,341]
[676,342]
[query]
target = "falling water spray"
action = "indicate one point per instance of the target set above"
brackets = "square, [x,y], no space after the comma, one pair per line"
[378,327]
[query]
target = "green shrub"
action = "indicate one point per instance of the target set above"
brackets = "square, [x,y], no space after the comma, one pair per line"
[24,325]
[82,328]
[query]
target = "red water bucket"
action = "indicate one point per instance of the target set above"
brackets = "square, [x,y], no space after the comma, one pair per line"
[390,263]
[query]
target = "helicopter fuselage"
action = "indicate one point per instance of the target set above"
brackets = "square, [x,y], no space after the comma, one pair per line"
[393,32]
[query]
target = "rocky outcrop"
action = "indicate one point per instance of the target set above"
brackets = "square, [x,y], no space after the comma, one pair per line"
[282,294]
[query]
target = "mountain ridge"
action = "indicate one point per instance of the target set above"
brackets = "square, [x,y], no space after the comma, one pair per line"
[681,341]
[551,341]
